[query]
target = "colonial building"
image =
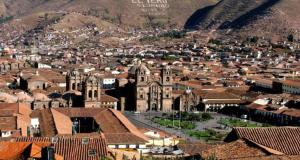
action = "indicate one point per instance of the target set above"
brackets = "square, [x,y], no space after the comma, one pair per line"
[208,101]
[118,131]
[90,87]
[152,92]
[7,65]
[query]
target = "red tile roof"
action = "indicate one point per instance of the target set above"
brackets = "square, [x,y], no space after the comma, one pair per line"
[234,150]
[14,116]
[107,98]
[10,150]
[115,126]
[72,148]
[281,139]
[62,128]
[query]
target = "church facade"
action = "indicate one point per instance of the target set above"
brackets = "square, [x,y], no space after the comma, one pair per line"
[152,92]
[88,85]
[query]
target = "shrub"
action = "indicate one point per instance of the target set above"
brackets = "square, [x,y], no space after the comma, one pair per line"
[206,116]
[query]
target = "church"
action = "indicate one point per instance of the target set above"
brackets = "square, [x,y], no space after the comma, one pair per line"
[88,85]
[152,91]
[90,88]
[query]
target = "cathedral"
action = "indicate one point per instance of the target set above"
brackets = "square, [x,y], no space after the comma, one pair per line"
[152,91]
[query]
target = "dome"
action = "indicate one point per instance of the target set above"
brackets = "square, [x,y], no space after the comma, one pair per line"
[91,79]
[36,78]
[132,70]
[54,95]
[24,97]
[166,67]
[8,98]
[140,67]
[40,97]
[74,72]
[71,95]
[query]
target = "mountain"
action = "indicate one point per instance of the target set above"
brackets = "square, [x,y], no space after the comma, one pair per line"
[252,16]
[255,17]
[127,12]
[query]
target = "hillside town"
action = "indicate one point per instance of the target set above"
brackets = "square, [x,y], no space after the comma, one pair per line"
[90,93]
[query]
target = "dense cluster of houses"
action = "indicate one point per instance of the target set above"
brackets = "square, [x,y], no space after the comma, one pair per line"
[64,99]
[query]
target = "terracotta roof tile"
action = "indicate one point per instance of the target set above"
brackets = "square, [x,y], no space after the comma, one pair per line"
[115,126]
[9,150]
[107,98]
[72,148]
[282,139]
[194,148]
[234,150]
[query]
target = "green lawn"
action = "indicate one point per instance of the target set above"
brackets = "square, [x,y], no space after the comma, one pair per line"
[207,135]
[169,123]
[232,122]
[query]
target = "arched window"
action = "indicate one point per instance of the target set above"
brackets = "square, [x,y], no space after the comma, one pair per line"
[73,86]
[168,79]
[90,94]
[95,94]
[142,79]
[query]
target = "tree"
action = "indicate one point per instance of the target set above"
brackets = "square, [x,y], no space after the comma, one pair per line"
[206,116]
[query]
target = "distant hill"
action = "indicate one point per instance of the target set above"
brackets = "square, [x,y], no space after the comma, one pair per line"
[260,17]
[126,12]
[252,16]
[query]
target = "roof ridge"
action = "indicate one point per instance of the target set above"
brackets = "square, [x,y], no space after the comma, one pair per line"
[129,126]
[265,148]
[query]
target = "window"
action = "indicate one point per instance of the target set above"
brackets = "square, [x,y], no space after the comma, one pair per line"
[142,79]
[95,94]
[90,94]
[168,79]
[73,86]
[141,96]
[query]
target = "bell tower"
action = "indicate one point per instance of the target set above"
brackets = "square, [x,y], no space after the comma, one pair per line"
[74,81]
[91,92]
[166,75]
[142,79]
[167,87]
